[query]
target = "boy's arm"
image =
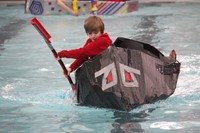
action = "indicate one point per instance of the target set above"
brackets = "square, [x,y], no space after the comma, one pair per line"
[77,63]
[92,49]
[63,5]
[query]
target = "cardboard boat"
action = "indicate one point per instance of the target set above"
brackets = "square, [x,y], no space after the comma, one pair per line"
[128,74]
[50,7]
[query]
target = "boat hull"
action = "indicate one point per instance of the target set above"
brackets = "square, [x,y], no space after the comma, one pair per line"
[49,7]
[128,74]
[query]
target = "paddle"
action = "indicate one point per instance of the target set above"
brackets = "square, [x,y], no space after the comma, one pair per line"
[46,37]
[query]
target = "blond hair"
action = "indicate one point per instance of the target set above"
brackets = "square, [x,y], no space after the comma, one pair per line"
[94,24]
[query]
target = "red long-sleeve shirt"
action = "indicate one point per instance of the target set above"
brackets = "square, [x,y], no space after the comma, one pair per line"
[90,49]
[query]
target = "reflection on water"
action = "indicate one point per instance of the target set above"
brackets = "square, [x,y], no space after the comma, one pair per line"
[148,29]
[10,30]
[127,122]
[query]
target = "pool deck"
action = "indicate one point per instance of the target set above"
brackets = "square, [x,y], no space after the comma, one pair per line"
[21,2]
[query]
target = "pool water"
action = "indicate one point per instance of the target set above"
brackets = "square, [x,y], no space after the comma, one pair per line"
[32,85]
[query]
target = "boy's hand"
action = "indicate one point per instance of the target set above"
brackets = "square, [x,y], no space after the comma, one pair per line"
[57,58]
[69,70]
[75,14]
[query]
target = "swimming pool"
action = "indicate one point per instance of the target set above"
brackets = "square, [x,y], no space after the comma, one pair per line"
[32,83]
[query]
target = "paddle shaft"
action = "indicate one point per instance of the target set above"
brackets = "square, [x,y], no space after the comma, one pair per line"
[61,64]
[47,37]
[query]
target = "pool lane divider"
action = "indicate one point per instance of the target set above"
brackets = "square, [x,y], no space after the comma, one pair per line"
[47,37]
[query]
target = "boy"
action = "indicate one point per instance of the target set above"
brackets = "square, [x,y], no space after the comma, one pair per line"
[97,42]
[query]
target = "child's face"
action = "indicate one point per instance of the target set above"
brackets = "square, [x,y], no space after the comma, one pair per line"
[94,35]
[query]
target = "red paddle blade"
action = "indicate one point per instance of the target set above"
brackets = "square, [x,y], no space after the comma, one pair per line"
[41,30]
